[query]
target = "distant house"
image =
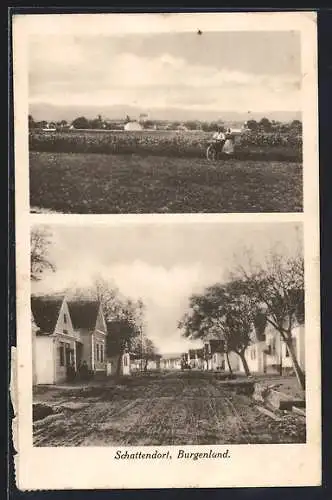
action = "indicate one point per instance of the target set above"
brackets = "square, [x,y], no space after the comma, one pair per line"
[137,364]
[195,358]
[117,359]
[50,127]
[90,327]
[214,354]
[182,128]
[133,126]
[268,352]
[54,341]
[171,361]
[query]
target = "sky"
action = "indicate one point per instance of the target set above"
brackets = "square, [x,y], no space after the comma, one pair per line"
[230,71]
[163,264]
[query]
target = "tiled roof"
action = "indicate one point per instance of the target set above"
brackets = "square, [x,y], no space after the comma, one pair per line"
[83,313]
[45,310]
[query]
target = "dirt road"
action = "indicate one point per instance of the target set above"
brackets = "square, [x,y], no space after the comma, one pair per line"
[165,409]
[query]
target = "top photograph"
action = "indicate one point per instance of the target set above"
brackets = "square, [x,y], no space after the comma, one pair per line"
[171,122]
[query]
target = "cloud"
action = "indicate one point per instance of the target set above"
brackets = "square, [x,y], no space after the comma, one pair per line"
[161,263]
[70,71]
[165,292]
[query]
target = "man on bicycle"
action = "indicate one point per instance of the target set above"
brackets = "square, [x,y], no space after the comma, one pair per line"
[220,138]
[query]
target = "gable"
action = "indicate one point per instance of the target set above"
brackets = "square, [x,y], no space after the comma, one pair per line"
[64,323]
[100,323]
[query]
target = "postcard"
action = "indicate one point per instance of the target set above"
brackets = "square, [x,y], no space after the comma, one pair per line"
[167,251]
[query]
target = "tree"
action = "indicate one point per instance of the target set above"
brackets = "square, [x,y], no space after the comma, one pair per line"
[31,122]
[277,287]
[265,125]
[222,311]
[81,123]
[148,124]
[252,125]
[144,349]
[40,240]
[125,315]
[191,125]
[123,332]
[296,125]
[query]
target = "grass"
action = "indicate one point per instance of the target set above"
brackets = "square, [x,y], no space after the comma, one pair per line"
[100,183]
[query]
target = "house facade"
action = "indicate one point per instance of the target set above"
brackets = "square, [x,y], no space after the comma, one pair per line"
[133,126]
[54,341]
[214,355]
[171,362]
[90,327]
[268,353]
[65,334]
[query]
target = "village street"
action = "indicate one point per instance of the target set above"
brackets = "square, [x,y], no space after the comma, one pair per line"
[179,408]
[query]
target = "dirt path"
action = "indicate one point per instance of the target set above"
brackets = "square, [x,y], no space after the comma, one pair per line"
[176,409]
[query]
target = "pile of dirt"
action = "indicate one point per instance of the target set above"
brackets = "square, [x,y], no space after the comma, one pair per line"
[40,411]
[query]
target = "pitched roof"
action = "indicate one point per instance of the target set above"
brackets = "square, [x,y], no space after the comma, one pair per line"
[83,313]
[45,310]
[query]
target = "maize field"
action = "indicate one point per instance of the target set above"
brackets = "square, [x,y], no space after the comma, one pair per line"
[274,146]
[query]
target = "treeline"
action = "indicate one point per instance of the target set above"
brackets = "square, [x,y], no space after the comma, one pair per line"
[82,123]
[267,126]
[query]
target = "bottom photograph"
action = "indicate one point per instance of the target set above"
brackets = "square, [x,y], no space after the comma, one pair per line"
[177,333]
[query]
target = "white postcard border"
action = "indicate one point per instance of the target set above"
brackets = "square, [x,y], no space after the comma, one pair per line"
[95,468]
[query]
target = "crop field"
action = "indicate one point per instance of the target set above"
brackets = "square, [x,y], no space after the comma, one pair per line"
[164,143]
[165,409]
[161,172]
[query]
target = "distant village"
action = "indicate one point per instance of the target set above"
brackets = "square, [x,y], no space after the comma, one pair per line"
[71,339]
[143,122]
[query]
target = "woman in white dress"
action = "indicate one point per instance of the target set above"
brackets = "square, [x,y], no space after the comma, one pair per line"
[229,143]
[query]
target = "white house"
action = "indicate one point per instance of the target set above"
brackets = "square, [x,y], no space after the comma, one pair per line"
[54,342]
[171,361]
[90,327]
[214,355]
[268,352]
[65,334]
[133,126]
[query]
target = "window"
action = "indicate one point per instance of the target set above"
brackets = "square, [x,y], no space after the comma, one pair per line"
[65,318]
[273,346]
[124,360]
[71,356]
[65,331]
[253,353]
[97,348]
[62,354]
[102,353]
